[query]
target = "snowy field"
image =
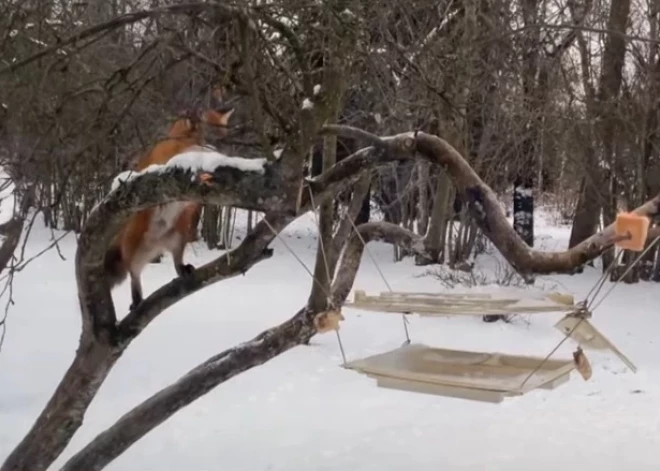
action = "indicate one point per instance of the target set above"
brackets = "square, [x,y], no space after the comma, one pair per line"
[302,411]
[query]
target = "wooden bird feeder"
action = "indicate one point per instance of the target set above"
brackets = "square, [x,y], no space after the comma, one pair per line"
[631,230]
[486,377]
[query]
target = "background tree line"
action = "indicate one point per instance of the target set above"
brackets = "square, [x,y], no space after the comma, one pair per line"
[551,102]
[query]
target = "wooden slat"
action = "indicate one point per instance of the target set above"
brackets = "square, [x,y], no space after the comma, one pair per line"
[442,304]
[440,390]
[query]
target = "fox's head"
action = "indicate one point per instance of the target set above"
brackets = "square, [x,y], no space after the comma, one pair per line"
[211,117]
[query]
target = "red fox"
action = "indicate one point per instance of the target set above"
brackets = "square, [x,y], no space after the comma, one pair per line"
[167,227]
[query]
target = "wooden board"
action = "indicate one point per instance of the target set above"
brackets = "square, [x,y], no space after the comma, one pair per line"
[478,304]
[454,373]
[440,389]
[585,333]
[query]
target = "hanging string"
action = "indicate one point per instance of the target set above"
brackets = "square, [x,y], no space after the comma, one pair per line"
[327,268]
[627,270]
[277,235]
[382,275]
[598,286]
[322,246]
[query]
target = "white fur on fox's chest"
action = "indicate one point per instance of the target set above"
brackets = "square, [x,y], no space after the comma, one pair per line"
[164,218]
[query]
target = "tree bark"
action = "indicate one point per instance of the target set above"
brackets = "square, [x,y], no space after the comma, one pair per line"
[435,235]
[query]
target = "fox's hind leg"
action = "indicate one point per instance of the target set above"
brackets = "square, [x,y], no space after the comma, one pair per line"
[180,236]
[136,290]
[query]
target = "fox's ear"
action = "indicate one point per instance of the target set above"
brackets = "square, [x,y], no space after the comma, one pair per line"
[226,115]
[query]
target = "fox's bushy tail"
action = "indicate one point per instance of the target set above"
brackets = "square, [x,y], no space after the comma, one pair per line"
[114,266]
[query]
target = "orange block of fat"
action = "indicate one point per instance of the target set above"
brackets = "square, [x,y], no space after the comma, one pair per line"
[634,226]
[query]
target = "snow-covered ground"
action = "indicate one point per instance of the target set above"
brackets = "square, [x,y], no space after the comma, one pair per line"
[302,411]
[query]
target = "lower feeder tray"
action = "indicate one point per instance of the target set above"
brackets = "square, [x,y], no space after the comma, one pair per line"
[487,377]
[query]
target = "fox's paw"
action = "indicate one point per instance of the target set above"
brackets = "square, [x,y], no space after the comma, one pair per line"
[206,178]
[187,269]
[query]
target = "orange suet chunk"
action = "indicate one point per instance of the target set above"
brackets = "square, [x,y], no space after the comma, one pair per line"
[634,226]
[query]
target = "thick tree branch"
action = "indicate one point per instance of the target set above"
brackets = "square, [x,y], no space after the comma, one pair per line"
[196,383]
[347,223]
[487,213]
[347,172]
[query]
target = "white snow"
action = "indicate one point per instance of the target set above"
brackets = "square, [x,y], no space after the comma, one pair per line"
[307,104]
[301,411]
[195,161]
[317,89]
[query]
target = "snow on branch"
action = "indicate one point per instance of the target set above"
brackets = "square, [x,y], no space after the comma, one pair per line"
[233,181]
[195,161]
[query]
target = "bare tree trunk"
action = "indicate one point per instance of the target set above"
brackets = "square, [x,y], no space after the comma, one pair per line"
[13,229]
[423,172]
[210,226]
[323,271]
[434,240]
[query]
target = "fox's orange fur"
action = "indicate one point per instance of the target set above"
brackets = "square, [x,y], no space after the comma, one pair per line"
[168,227]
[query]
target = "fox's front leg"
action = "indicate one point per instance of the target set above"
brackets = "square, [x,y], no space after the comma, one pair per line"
[182,269]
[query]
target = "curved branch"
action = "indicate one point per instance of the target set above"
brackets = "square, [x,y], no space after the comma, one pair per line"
[489,216]
[485,208]
[347,171]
